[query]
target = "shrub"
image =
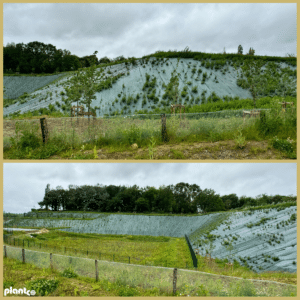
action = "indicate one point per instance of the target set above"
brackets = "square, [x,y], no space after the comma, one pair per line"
[43,287]
[69,273]
[183,94]
[195,89]
[287,145]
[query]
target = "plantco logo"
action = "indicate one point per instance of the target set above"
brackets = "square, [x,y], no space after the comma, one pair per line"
[19,292]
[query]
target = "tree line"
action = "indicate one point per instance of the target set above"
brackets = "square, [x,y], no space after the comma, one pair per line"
[36,57]
[180,198]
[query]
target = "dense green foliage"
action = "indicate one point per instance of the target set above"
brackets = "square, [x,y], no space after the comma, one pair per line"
[179,198]
[218,58]
[37,57]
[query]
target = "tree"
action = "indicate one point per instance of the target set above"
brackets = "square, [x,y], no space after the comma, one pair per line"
[70,62]
[174,91]
[62,197]
[208,201]
[75,91]
[255,81]
[89,86]
[45,201]
[142,205]
[129,196]
[251,51]
[104,60]
[150,193]
[290,55]
[240,49]
[164,199]
[230,201]
[115,204]
[184,195]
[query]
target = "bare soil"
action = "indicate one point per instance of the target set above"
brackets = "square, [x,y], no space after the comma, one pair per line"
[223,150]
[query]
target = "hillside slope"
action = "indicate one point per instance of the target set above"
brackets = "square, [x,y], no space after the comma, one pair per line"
[144,85]
[174,226]
[265,239]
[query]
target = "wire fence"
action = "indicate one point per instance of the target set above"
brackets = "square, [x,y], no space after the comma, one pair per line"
[99,255]
[168,280]
[134,126]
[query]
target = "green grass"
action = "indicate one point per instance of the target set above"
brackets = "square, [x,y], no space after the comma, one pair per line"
[130,280]
[148,250]
[18,275]
[118,134]
[142,250]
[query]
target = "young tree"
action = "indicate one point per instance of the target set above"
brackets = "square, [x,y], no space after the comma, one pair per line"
[240,49]
[174,84]
[75,91]
[89,86]
[83,87]
[251,51]
[255,81]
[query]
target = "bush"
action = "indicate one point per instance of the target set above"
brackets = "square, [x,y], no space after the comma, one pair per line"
[8,284]
[287,145]
[69,273]
[43,287]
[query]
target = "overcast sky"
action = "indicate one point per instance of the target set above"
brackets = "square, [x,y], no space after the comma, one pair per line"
[25,183]
[131,29]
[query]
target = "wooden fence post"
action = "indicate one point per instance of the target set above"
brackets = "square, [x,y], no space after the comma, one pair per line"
[23,256]
[174,280]
[96,269]
[164,134]
[51,261]
[129,259]
[44,129]
[5,253]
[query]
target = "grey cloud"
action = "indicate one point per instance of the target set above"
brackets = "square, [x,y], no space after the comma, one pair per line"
[25,183]
[131,29]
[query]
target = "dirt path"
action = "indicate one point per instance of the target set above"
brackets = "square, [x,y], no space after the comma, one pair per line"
[202,151]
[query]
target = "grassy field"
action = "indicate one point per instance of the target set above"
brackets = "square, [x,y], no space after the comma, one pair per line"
[148,250]
[97,139]
[119,279]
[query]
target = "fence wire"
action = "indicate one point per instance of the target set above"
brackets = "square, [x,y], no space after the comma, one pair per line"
[77,130]
[189,283]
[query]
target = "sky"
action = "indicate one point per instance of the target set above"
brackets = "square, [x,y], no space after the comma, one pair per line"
[25,183]
[138,29]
